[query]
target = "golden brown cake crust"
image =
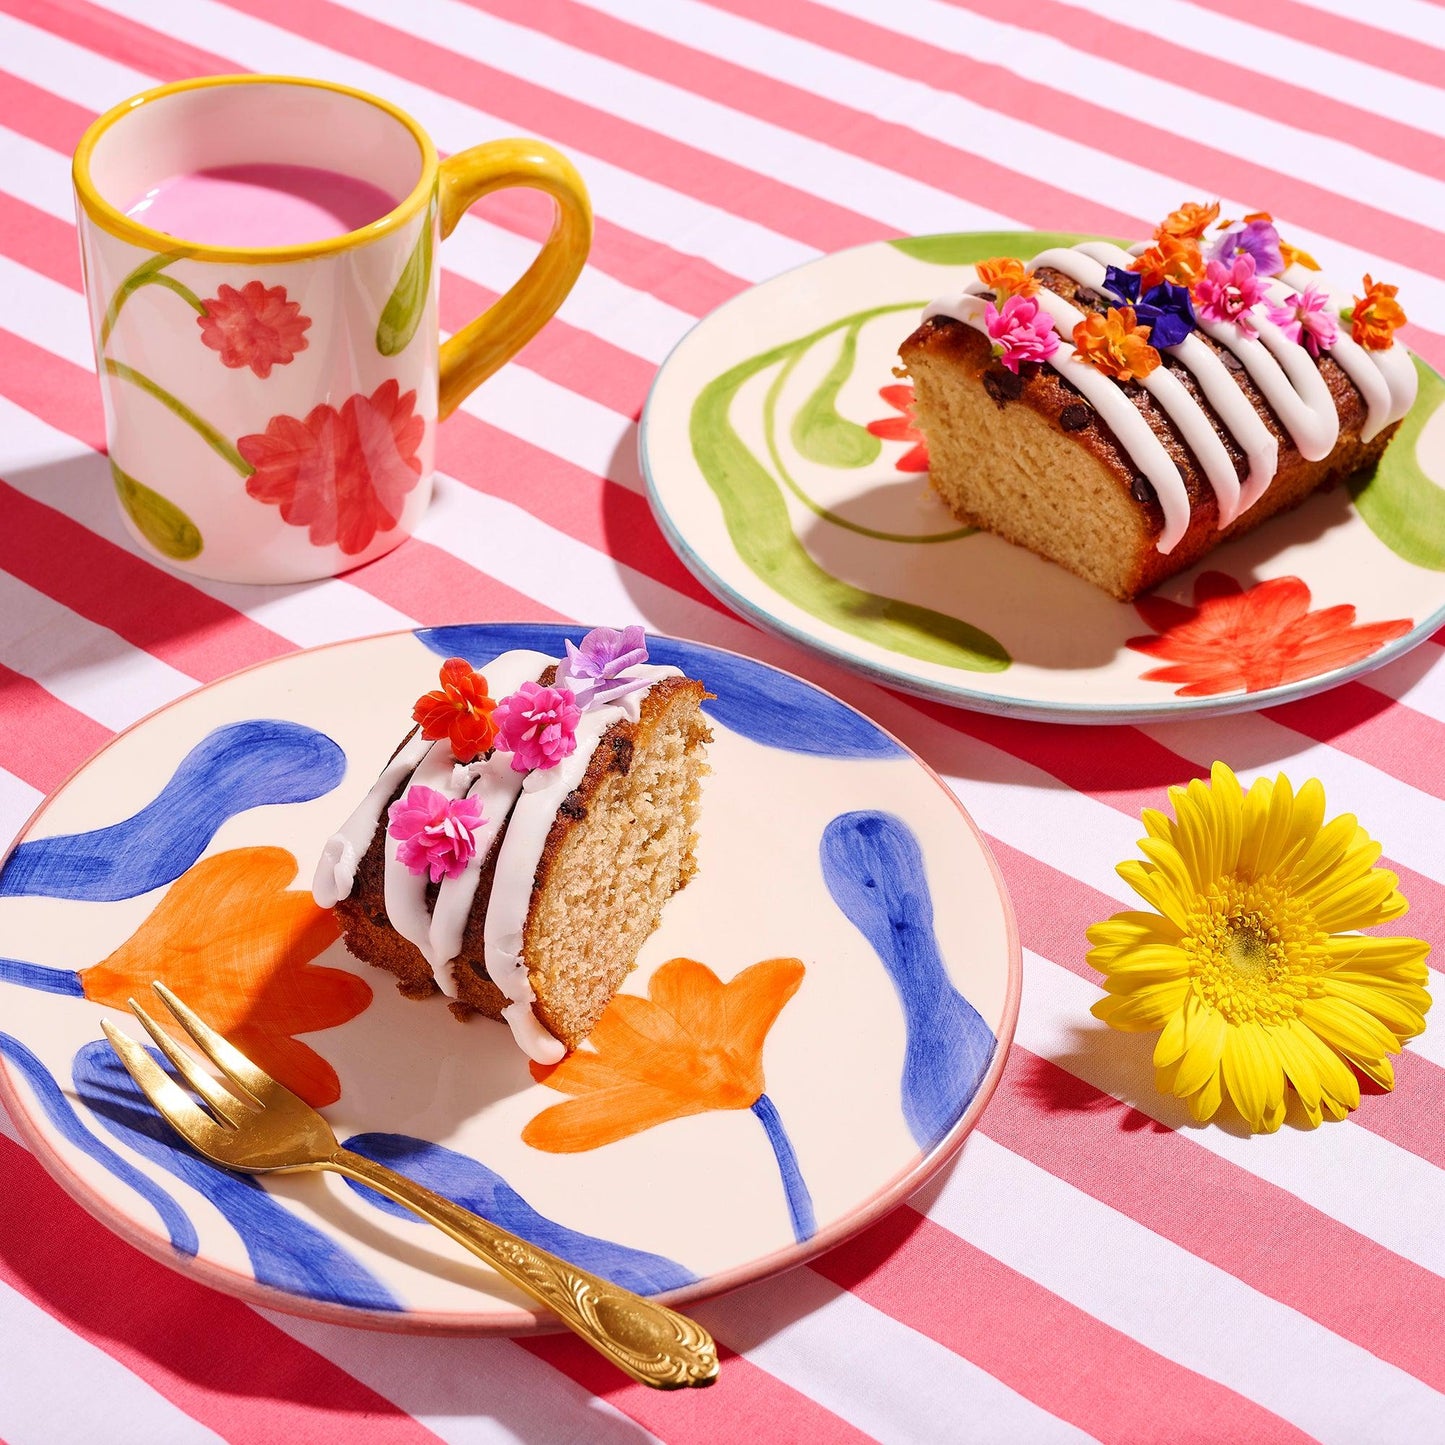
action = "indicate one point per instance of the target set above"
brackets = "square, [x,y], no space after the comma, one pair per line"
[943,354]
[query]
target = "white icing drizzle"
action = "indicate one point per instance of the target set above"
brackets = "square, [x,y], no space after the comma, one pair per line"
[336,872]
[1223,393]
[1283,371]
[1171,394]
[543,793]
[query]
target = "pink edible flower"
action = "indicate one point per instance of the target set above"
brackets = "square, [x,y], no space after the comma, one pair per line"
[538,725]
[1227,291]
[435,834]
[1020,332]
[1304,318]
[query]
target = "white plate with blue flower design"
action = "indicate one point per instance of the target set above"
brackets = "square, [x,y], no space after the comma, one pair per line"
[845,908]
[783,466]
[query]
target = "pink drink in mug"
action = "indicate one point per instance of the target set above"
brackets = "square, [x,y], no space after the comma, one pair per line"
[265,317]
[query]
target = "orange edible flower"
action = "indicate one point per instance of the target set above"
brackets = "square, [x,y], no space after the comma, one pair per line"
[694,1044]
[1170,258]
[1007,276]
[461,711]
[1189,222]
[1254,216]
[1294,256]
[1116,344]
[1376,316]
[237,944]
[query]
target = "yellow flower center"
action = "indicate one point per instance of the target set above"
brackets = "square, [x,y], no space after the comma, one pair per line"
[1255,951]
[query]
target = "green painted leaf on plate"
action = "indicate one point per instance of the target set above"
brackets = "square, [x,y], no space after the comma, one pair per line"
[1404,507]
[158,520]
[403,311]
[756,517]
[820,432]
[963,247]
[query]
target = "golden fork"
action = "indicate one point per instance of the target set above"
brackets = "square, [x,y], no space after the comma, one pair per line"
[263,1128]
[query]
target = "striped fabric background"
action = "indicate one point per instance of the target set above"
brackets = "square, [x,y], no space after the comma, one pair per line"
[1090,1268]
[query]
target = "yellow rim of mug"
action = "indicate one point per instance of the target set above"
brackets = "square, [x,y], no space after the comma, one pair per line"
[118,224]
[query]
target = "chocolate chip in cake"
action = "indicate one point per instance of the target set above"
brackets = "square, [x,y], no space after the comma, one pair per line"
[1143,491]
[1076,416]
[1002,385]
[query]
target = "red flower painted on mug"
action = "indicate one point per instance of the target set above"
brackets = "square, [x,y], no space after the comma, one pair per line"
[1236,640]
[343,474]
[901,429]
[255,326]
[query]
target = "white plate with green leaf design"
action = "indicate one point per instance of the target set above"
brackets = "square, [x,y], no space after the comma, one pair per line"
[782,466]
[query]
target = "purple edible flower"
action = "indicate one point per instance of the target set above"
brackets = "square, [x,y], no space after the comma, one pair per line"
[1258,239]
[1168,309]
[601,663]
[1165,308]
[1122,284]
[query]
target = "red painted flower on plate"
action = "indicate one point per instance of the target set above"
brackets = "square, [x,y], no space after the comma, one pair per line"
[902,429]
[1234,640]
[345,474]
[255,326]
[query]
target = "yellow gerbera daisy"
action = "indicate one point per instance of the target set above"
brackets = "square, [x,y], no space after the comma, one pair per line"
[1250,965]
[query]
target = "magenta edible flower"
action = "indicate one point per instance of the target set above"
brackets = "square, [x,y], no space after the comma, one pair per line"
[1257,239]
[538,725]
[1305,318]
[1227,291]
[601,663]
[435,834]
[1021,331]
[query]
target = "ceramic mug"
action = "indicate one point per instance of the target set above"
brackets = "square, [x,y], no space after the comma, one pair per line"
[271,412]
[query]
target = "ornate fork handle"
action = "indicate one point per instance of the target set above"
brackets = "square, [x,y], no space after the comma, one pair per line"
[651,1343]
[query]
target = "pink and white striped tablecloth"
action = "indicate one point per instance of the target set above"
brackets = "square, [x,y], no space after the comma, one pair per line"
[1091,1268]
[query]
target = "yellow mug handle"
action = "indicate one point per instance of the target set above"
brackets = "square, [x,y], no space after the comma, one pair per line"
[470,356]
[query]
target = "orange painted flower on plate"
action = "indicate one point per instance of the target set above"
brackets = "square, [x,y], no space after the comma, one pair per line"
[237,944]
[692,1045]
[1233,640]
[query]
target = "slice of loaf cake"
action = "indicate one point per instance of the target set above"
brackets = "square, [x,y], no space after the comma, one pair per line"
[515,855]
[1121,413]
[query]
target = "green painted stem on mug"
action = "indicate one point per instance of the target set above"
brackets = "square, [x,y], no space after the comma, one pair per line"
[157,518]
[148,274]
[757,520]
[770,433]
[1401,505]
[203,429]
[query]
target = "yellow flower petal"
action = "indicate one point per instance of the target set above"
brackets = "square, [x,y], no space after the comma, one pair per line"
[1143,1010]
[1356,1034]
[1393,1012]
[1206,1049]
[1204,1102]
[1361,904]
[1253,1075]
